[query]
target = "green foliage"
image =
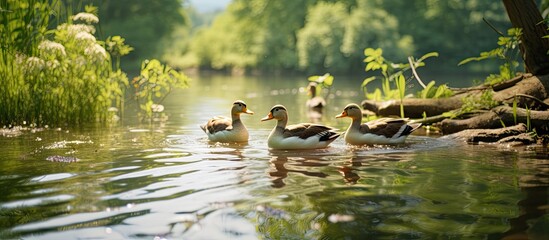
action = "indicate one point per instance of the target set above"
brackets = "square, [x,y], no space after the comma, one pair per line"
[329,36]
[454,28]
[320,40]
[369,25]
[393,74]
[472,103]
[65,77]
[432,91]
[117,48]
[401,87]
[155,83]
[22,25]
[145,25]
[508,51]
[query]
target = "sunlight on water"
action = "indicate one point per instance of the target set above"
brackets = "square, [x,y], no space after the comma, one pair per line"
[166,181]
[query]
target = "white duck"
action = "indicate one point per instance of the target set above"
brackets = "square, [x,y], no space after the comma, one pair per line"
[224,129]
[379,131]
[297,136]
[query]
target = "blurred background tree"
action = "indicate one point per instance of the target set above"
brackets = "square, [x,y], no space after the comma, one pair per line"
[310,36]
[323,35]
[150,27]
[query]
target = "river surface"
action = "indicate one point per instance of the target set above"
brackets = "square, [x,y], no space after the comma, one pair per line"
[164,180]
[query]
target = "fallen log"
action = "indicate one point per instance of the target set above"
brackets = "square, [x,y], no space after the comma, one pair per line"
[415,107]
[498,117]
[503,135]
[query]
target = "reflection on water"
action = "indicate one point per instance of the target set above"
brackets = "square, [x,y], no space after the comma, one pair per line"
[165,180]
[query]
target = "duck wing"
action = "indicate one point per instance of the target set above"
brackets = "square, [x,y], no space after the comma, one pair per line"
[217,124]
[388,127]
[307,130]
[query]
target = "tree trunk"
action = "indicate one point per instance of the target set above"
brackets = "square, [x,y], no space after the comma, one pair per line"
[524,14]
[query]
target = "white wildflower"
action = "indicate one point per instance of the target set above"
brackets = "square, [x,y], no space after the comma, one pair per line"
[86,17]
[34,64]
[52,48]
[20,58]
[96,51]
[85,37]
[53,64]
[73,29]
[80,61]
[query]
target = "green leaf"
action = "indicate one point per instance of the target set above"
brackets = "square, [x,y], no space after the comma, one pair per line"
[366,81]
[369,51]
[370,66]
[369,59]
[425,92]
[428,55]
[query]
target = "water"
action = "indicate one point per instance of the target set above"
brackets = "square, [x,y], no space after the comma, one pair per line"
[166,181]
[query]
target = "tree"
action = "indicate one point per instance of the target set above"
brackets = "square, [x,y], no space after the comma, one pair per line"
[368,26]
[524,14]
[319,41]
[144,24]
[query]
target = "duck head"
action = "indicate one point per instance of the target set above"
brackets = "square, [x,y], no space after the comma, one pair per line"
[278,112]
[352,111]
[240,107]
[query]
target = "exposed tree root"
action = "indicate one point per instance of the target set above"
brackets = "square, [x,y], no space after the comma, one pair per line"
[502,135]
[416,108]
[497,118]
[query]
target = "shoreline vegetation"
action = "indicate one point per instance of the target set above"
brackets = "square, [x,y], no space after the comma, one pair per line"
[66,76]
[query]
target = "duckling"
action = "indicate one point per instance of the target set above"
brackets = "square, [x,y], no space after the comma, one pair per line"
[224,129]
[297,136]
[379,131]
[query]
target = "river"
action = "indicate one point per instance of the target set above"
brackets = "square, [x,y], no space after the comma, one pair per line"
[164,180]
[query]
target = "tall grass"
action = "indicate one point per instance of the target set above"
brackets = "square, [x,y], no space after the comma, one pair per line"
[58,76]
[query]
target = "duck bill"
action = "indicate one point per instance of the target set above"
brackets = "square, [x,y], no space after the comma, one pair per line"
[248,112]
[343,114]
[268,117]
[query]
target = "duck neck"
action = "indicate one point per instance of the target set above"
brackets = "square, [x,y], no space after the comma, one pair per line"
[355,124]
[280,125]
[236,118]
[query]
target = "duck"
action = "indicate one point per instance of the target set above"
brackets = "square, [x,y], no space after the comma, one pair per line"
[224,129]
[315,102]
[385,131]
[297,136]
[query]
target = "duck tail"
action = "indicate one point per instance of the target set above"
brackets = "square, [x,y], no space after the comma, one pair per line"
[408,128]
[415,126]
[329,136]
